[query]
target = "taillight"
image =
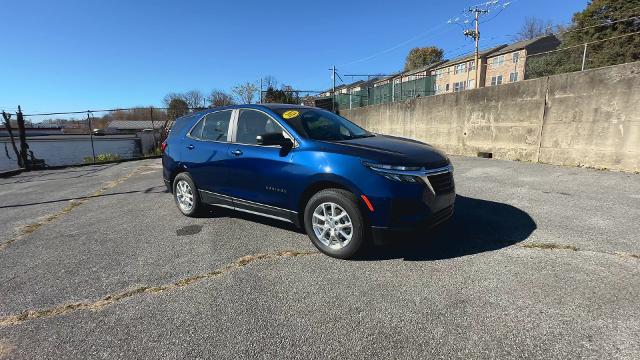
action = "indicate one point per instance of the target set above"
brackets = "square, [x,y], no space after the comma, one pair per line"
[163,146]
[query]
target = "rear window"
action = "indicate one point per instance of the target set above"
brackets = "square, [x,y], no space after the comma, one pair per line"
[179,126]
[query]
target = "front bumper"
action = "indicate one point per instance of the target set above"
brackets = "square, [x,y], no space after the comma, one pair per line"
[407,207]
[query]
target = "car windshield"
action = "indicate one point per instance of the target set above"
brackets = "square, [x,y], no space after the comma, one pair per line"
[320,124]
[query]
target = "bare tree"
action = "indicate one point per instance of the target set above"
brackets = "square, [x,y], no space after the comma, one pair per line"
[194,98]
[171,96]
[7,123]
[245,92]
[532,28]
[269,81]
[219,98]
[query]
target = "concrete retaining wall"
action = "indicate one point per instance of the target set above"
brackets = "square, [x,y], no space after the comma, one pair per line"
[589,118]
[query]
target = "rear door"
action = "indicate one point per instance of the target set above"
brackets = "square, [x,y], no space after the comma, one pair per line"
[260,174]
[207,156]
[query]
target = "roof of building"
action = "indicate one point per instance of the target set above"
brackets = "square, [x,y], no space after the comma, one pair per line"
[470,56]
[424,68]
[135,124]
[552,39]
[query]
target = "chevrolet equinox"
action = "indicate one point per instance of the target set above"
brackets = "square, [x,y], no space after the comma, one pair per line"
[308,166]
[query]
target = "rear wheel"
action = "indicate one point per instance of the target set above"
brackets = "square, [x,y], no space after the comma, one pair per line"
[186,195]
[334,223]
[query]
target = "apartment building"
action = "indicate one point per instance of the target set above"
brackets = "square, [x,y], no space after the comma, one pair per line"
[508,64]
[460,73]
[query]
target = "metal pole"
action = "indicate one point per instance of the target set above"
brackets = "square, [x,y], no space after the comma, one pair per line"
[153,128]
[584,56]
[93,150]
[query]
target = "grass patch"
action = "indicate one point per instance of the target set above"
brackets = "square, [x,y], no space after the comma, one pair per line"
[549,246]
[101,158]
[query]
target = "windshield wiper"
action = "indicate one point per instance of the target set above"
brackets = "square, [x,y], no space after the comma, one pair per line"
[362,136]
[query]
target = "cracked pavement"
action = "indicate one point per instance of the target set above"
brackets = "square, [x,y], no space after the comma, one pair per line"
[538,261]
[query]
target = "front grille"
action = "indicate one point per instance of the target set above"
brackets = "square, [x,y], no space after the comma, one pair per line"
[436,164]
[442,183]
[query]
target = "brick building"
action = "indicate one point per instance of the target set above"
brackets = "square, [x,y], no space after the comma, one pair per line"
[508,64]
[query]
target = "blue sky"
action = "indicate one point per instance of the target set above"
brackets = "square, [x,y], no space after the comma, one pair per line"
[78,55]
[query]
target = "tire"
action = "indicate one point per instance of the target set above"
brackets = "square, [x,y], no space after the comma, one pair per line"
[181,195]
[331,239]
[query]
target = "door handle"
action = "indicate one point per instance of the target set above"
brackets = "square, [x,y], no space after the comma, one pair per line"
[190,147]
[237,152]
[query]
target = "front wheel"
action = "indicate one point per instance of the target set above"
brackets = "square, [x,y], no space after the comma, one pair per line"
[334,223]
[186,195]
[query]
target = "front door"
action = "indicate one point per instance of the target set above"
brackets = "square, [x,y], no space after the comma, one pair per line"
[259,173]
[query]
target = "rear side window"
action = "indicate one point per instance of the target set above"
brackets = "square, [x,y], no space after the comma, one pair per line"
[213,127]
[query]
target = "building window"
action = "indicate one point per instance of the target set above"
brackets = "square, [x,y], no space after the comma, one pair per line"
[446,88]
[460,68]
[513,77]
[436,89]
[470,84]
[516,57]
[459,86]
[472,65]
[496,80]
[497,61]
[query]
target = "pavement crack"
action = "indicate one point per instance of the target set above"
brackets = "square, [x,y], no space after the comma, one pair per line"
[554,246]
[29,229]
[114,298]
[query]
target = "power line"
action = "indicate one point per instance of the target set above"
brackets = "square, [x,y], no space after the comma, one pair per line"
[428,32]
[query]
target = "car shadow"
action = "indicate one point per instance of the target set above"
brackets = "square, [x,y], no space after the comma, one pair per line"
[476,226]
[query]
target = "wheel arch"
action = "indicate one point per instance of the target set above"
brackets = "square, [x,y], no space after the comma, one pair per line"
[319,184]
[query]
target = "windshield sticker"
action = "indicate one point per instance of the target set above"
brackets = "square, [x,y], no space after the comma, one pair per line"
[290,114]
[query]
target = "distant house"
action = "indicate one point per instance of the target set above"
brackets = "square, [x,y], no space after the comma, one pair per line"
[132,126]
[507,65]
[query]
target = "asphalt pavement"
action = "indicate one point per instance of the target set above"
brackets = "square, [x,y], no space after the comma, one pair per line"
[539,261]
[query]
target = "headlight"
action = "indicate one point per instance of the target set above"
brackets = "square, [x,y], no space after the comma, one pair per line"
[391,167]
[396,172]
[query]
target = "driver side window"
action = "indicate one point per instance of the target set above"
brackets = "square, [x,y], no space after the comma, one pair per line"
[252,123]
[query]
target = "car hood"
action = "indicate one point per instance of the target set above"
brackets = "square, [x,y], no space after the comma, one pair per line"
[391,150]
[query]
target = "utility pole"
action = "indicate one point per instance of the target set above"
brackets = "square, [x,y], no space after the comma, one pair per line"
[475,34]
[333,92]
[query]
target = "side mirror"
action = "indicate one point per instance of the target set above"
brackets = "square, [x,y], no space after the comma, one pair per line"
[275,138]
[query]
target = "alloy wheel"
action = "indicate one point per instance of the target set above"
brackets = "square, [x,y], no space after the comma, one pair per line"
[332,225]
[184,195]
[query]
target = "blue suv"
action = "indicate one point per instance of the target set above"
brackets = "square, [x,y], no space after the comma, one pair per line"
[308,166]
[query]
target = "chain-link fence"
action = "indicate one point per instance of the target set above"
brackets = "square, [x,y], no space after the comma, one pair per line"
[90,137]
[612,51]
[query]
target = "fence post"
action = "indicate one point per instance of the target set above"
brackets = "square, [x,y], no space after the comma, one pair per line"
[584,56]
[153,128]
[93,151]
[24,148]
